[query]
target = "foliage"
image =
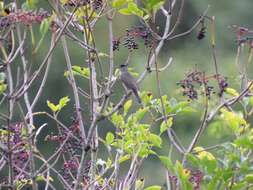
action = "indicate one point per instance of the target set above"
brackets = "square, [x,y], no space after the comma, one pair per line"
[138,131]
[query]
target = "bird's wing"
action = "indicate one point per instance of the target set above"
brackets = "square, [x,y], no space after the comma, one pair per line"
[129,81]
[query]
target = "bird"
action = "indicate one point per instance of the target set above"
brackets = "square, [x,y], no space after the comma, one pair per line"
[129,81]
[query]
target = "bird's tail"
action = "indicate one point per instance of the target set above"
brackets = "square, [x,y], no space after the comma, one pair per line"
[137,97]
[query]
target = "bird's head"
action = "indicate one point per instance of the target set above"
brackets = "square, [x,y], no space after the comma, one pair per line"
[123,67]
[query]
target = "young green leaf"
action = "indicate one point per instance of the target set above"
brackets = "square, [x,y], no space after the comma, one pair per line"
[63,102]
[166,161]
[155,140]
[132,9]
[231,92]
[124,158]
[153,4]
[82,71]
[117,120]
[125,11]
[140,113]
[139,185]
[42,178]
[109,138]
[251,100]
[127,106]
[2,77]
[193,160]
[166,125]
[3,87]
[154,187]
[54,108]
[118,3]
[249,178]
[44,26]
[30,4]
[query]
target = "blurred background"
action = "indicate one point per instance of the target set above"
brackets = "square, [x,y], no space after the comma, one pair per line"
[187,52]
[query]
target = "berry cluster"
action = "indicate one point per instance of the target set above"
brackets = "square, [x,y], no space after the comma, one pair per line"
[69,169]
[115,44]
[195,178]
[96,4]
[173,180]
[223,84]
[129,40]
[69,172]
[191,83]
[244,35]
[71,152]
[202,31]
[73,144]
[130,43]
[25,17]
[15,137]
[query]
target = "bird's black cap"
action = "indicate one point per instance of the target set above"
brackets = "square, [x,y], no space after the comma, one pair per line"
[123,65]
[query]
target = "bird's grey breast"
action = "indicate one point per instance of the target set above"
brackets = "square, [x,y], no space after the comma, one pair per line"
[128,80]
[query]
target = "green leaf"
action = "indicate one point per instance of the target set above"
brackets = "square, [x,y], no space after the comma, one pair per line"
[117,120]
[155,140]
[42,178]
[251,100]
[3,87]
[231,92]
[2,77]
[125,11]
[178,107]
[82,71]
[188,109]
[127,106]
[210,165]
[207,159]
[108,163]
[227,174]
[166,125]
[1,5]
[146,97]
[24,132]
[124,158]
[44,26]
[194,161]
[144,151]
[166,161]
[153,187]
[30,4]
[153,4]
[134,9]
[244,141]
[139,185]
[109,138]
[54,108]
[239,186]
[101,54]
[79,71]
[214,182]
[234,120]
[184,175]
[63,102]
[118,3]
[139,115]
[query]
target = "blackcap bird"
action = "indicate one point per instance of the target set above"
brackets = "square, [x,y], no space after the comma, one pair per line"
[129,81]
